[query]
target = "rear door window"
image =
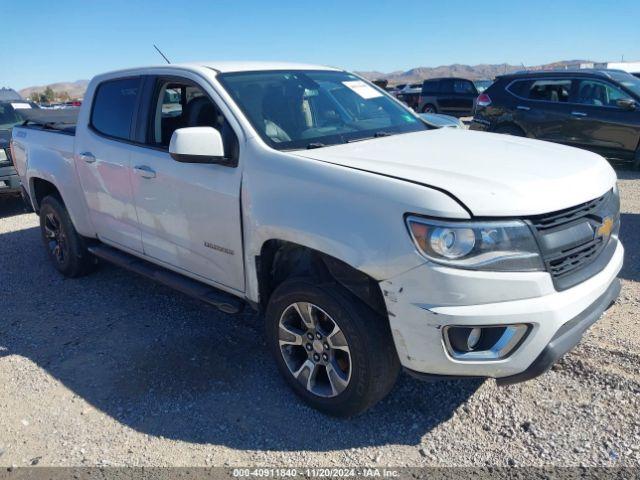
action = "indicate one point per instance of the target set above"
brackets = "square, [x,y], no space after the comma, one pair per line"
[430,87]
[113,107]
[446,86]
[464,87]
[555,91]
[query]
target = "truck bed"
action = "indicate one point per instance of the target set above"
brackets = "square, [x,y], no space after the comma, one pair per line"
[52,143]
[57,121]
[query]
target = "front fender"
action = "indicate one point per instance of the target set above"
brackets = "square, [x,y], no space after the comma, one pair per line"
[354,216]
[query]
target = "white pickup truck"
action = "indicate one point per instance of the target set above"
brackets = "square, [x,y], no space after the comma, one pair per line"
[368,240]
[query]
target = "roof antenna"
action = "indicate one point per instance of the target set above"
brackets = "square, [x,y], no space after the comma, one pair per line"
[160,52]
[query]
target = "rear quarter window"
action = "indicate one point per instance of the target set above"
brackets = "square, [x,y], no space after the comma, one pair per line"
[113,106]
[520,88]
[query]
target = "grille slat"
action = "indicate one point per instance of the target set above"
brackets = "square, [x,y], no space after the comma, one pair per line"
[563,217]
[568,266]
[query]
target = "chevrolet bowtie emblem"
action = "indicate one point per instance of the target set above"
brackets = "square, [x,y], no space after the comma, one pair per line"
[605,229]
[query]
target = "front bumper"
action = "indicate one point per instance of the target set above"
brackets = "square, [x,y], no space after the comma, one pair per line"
[424,300]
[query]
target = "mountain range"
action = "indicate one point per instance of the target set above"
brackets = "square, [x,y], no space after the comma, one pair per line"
[74,89]
[472,72]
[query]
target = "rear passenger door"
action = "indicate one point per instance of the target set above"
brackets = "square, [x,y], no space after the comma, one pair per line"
[103,162]
[542,108]
[466,94]
[446,97]
[457,96]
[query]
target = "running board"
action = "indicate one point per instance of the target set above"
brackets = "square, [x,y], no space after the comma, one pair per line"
[224,302]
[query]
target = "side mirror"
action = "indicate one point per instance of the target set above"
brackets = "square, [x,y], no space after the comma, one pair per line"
[198,145]
[627,104]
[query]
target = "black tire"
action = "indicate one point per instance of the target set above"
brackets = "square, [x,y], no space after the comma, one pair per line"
[636,162]
[374,364]
[66,248]
[510,130]
[429,108]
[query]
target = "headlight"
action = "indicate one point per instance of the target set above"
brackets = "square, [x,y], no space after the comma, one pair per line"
[505,246]
[3,155]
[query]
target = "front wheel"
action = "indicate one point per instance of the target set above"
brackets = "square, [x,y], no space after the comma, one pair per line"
[333,351]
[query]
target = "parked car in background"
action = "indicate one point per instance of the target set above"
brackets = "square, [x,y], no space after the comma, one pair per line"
[598,110]
[396,89]
[410,95]
[367,239]
[453,96]
[630,67]
[11,104]
[482,85]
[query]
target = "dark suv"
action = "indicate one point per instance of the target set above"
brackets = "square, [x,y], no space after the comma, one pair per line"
[453,96]
[598,110]
[10,104]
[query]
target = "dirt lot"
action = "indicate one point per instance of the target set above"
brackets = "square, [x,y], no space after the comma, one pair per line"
[112,369]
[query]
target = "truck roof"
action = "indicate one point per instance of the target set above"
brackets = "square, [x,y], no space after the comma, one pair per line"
[231,66]
[225,67]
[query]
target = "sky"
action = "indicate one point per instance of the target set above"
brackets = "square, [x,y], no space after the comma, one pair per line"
[66,40]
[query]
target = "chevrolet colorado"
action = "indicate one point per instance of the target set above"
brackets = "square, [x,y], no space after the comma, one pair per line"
[370,241]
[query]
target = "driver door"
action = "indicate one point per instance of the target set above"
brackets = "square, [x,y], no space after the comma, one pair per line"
[189,213]
[599,124]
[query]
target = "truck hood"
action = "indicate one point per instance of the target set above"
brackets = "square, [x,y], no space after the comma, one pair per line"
[492,175]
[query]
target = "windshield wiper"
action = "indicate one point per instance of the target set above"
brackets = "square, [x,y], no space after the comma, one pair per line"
[313,145]
[375,135]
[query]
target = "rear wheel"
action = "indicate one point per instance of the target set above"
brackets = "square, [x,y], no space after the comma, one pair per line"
[66,248]
[510,130]
[636,162]
[332,350]
[428,108]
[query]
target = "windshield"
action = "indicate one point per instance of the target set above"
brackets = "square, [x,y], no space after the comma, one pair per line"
[629,81]
[10,114]
[312,109]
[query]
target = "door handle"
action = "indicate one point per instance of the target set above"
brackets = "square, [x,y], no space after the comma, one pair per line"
[578,114]
[87,157]
[144,171]
[522,107]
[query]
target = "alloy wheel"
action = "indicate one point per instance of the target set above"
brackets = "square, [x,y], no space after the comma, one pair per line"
[56,239]
[314,349]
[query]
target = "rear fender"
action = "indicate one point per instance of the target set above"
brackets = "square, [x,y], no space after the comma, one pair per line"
[58,168]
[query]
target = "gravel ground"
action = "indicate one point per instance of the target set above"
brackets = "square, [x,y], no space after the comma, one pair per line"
[112,369]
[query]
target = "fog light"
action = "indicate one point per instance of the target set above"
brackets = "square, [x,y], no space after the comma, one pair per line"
[473,338]
[464,339]
[483,343]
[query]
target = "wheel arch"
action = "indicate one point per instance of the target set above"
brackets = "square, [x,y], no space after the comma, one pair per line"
[40,188]
[281,259]
[40,185]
